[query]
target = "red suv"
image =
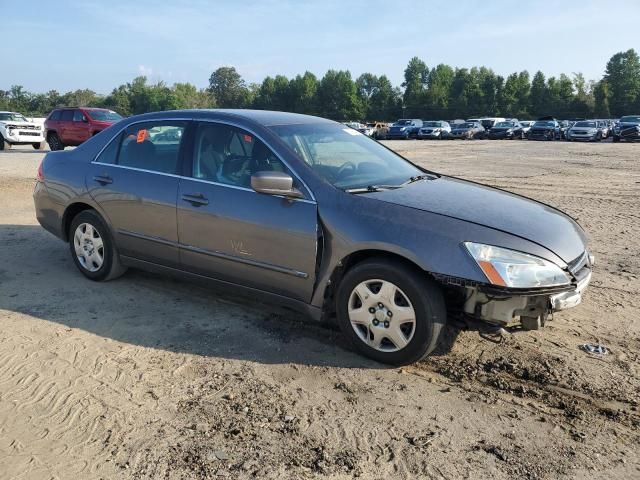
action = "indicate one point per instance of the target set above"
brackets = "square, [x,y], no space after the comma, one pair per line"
[71,126]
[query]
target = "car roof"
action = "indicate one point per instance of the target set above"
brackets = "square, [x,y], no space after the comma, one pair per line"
[262,117]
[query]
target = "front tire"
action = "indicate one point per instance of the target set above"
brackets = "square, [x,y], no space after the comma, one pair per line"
[4,145]
[390,312]
[92,248]
[39,145]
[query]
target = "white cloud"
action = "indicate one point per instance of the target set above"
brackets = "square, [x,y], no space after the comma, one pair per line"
[144,70]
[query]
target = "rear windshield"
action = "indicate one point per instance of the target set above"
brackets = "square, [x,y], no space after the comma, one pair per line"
[104,115]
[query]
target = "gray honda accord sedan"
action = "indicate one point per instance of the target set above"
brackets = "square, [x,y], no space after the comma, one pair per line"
[315,215]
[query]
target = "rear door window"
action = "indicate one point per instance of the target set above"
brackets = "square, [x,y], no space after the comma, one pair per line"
[78,116]
[66,116]
[153,146]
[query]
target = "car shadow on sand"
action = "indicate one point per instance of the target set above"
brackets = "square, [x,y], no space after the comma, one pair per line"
[39,279]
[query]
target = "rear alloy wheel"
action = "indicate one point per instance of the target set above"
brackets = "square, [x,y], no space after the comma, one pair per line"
[390,312]
[92,248]
[54,142]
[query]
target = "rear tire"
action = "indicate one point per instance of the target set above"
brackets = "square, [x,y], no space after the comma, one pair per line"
[616,139]
[417,307]
[54,142]
[92,248]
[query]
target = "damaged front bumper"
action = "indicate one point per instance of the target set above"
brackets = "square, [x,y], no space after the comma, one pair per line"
[506,306]
[570,299]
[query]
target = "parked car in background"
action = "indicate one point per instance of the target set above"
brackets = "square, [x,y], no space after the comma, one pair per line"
[488,122]
[585,131]
[16,129]
[373,127]
[288,208]
[65,127]
[434,130]
[506,130]
[404,128]
[526,126]
[604,126]
[467,131]
[627,128]
[544,129]
[381,131]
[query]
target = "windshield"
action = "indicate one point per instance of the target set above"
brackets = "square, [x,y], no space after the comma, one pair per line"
[630,119]
[544,123]
[401,123]
[12,117]
[432,124]
[464,125]
[104,115]
[344,157]
[526,124]
[504,125]
[585,124]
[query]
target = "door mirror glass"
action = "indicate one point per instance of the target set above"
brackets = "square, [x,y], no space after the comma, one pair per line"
[274,183]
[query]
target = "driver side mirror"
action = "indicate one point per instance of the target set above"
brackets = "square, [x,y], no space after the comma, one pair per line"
[275,183]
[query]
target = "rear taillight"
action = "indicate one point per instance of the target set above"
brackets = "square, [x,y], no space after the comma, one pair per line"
[40,175]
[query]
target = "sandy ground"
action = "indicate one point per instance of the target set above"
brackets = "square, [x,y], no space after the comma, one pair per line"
[145,377]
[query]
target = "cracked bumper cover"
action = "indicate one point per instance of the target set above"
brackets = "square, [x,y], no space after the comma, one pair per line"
[572,298]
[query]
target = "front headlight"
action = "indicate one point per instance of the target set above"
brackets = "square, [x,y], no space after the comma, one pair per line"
[508,268]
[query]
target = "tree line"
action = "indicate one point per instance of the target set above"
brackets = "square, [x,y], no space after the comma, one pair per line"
[440,92]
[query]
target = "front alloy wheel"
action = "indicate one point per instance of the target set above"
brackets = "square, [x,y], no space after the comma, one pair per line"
[392,312]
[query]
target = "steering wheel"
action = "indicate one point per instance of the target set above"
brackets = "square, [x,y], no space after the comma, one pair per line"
[346,166]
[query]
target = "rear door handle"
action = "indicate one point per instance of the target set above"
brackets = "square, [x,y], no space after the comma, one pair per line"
[195,199]
[103,179]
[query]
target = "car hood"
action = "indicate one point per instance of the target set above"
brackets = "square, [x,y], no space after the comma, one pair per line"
[17,124]
[493,208]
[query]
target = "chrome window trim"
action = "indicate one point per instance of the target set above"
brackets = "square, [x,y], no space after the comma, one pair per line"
[224,122]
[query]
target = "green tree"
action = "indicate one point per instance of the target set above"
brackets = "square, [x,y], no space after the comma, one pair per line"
[415,81]
[601,99]
[337,96]
[538,95]
[228,88]
[385,103]
[302,90]
[438,93]
[623,80]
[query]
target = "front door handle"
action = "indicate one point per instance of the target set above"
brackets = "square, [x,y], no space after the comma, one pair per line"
[103,179]
[195,199]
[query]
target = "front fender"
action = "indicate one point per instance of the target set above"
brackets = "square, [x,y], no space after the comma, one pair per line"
[431,241]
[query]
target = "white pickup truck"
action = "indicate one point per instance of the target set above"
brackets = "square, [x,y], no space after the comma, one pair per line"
[16,129]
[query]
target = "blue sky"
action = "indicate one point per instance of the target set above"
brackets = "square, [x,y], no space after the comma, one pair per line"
[102,44]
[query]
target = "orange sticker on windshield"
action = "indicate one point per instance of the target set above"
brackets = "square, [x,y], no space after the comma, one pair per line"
[142,136]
